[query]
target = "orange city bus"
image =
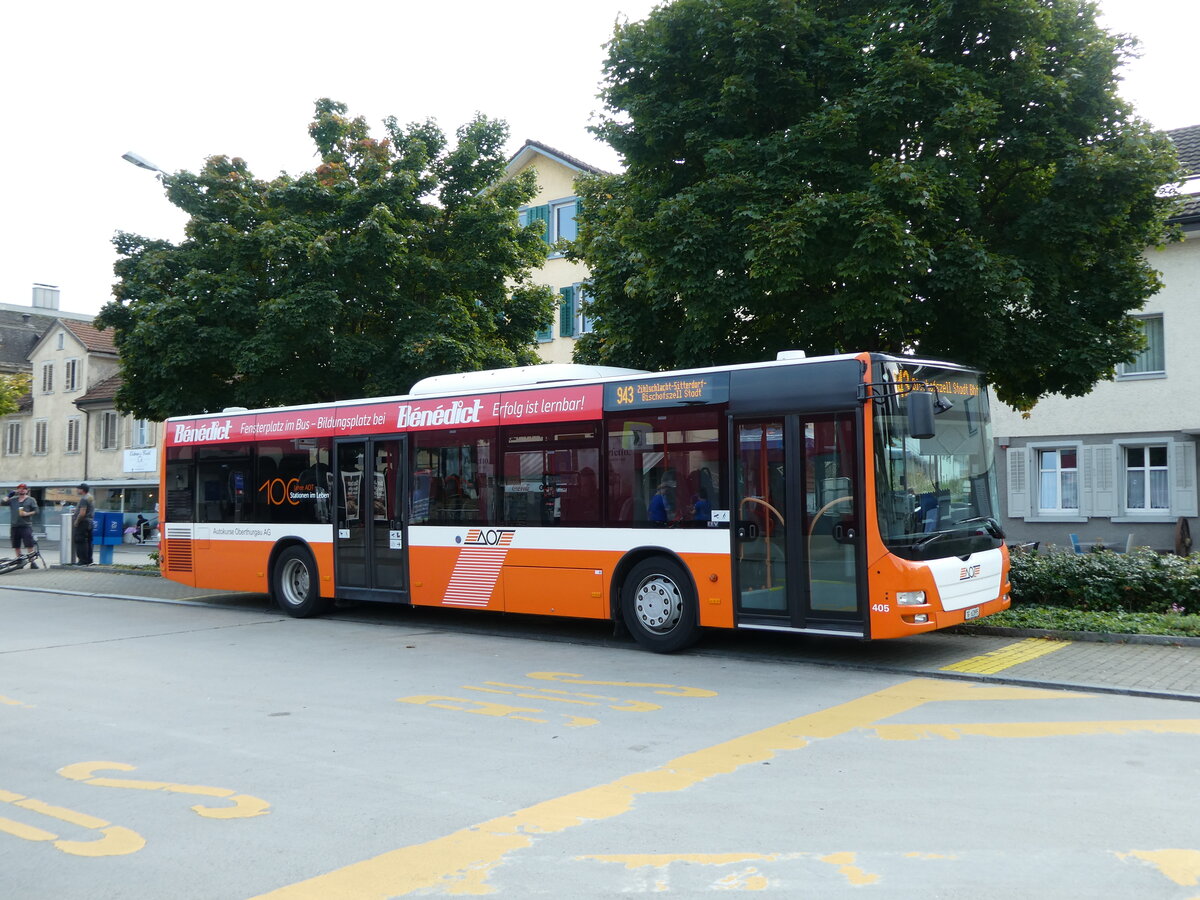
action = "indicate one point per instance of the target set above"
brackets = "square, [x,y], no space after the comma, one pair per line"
[850,495]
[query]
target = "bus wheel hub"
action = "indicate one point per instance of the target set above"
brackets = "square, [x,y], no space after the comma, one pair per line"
[658,603]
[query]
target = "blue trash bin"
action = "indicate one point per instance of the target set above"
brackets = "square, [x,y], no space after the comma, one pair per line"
[108,531]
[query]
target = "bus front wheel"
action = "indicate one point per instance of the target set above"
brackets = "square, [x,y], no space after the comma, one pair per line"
[659,605]
[297,589]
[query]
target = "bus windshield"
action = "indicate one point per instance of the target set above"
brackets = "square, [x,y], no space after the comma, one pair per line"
[936,496]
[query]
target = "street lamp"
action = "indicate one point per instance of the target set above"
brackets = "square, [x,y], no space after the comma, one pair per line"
[141,162]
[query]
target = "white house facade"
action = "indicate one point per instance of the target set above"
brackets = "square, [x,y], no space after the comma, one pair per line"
[1119,464]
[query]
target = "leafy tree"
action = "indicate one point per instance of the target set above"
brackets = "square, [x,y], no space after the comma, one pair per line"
[953,178]
[396,258]
[12,388]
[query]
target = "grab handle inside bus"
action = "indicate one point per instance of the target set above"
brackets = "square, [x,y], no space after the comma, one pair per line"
[920,414]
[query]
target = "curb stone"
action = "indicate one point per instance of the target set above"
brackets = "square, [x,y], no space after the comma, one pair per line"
[1098,637]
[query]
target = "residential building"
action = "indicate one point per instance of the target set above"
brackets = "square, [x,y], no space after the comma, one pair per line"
[556,204]
[68,429]
[1120,461]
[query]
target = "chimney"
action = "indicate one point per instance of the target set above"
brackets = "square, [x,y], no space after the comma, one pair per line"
[45,296]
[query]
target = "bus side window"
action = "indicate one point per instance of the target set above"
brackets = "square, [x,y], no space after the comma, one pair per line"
[664,467]
[552,474]
[453,477]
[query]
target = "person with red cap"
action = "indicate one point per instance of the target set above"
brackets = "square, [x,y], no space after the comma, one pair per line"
[23,508]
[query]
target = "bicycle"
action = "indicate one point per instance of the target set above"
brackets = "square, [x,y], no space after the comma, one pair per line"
[10,564]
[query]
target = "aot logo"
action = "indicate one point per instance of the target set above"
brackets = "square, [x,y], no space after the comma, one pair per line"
[968,572]
[489,537]
[215,430]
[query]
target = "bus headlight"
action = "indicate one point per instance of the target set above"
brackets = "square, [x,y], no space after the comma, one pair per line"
[910,598]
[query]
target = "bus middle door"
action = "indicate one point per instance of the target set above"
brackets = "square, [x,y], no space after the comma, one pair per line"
[370,559]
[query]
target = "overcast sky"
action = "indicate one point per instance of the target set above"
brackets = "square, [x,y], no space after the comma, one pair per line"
[178,82]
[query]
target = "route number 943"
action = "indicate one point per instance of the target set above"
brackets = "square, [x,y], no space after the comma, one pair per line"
[880,607]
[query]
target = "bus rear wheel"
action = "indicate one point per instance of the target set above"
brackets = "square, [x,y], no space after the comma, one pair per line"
[659,605]
[297,589]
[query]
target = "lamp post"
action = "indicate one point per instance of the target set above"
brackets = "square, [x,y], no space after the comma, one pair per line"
[142,163]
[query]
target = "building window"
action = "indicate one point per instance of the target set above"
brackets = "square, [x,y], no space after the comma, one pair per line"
[557,219]
[12,439]
[109,423]
[41,429]
[48,378]
[143,433]
[62,338]
[71,375]
[562,220]
[586,322]
[1147,486]
[72,444]
[545,335]
[1152,360]
[1058,480]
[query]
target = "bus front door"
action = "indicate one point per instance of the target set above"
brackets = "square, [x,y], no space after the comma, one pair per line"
[796,533]
[370,560]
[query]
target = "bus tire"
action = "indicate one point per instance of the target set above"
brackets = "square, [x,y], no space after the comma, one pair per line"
[658,604]
[297,588]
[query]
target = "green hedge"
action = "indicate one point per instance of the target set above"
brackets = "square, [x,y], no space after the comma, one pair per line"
[1142,581]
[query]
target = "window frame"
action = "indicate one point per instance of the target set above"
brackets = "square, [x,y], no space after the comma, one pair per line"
[1035,512]
[1043,511]
[1144,512]
[1123,372]
[107,416]
[12,447]
[48,377]
[584,324]
[141,433]
[74,430]
[41,437]
[552,230]
[71,374]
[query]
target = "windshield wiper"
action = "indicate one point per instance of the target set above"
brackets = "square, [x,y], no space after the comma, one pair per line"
[991,526]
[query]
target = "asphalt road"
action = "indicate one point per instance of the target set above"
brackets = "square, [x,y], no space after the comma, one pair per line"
[190,751]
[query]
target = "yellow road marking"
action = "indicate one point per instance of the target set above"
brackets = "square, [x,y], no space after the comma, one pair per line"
[1035,729]
[1181,866]
[461,862]
[244,806]
[667,690]
[9,701]
[851,872]
[632,861]
[83,820]
[26,832]
[114,840]
[1006,657]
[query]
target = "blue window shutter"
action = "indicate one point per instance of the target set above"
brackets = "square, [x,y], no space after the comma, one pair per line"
[546,334]
[541,214]
[566,312]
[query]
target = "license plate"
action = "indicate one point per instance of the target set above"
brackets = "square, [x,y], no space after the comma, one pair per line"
[972,613]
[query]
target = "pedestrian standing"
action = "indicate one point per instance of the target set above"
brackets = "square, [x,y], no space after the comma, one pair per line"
[23,508]
[85,515]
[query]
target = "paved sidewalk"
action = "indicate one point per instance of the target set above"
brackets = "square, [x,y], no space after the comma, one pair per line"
[1138,669]
[123,554]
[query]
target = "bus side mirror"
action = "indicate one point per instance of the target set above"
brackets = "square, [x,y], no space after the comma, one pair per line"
[920,414]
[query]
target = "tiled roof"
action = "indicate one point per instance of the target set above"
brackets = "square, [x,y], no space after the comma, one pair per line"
[19,331]
[1187,146]
[101,392]
[95,340]
[567,158]
[1188,211]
